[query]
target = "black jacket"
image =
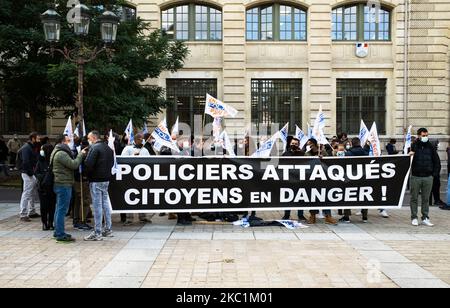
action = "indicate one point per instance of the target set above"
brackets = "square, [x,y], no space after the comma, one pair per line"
[40,172]
[357,151]
[99,162]
[29,159]
[149,148]
[426,160]
[292,153]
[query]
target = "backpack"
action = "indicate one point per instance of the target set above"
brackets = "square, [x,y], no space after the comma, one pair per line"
[49,178]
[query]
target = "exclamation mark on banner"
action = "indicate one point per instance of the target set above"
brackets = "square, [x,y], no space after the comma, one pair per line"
[383,193]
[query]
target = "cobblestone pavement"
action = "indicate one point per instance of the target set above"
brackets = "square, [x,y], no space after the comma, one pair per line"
[382,253]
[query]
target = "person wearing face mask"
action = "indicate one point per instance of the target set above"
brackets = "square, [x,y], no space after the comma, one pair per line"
[27,160]
[293,149]
[136,149]
[425,166]
[47,196]
[312,149]
[63,169]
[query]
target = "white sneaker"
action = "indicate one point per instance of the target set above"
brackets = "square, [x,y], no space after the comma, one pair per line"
[415,222]
[384,214]
[427,222]
[359,213]
[321,215]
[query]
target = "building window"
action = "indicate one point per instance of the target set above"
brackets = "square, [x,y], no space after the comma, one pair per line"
[192,22]
[188,97]
[360,22]
[276,101]
[358,99]
[276,22]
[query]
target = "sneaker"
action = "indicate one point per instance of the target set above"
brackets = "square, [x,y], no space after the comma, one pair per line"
[359,213]
[365,220]
[415,222]
[34,215]
[93,237]
[330,220]
[107,233]
[440,203]
[384,214]
[321,215]
[445,208]
[427,222]
[345,220]
[286,218]
[25,219]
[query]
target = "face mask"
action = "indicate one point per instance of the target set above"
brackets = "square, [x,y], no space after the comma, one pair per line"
[241,146]
[42,153]
[341,153]
[424,139]
[294,148]
[348,147]
[308,148]
[186,145]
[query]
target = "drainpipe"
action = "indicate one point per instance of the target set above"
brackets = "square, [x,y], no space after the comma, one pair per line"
[405,66]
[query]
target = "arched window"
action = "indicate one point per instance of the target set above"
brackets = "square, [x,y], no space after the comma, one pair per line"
[361,22]
[276,22]
[192,22]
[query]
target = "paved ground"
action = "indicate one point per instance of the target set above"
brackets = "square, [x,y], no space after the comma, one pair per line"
[381,253]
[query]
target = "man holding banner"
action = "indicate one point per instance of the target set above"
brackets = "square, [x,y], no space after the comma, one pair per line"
[424,167]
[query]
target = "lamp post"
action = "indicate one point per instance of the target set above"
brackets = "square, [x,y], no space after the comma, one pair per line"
[80,55]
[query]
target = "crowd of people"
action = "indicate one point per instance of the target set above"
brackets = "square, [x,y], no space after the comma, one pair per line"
[74,174]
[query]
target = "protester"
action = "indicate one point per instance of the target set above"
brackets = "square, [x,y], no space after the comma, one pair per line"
[136,149]
[390,147]
[47,196]
[424,167]
[14,146]
[81,193]
[436,189]
[448,176]
[64,166]
[3,157]
[312,149]
[99,163]
[293,149]
[27,160]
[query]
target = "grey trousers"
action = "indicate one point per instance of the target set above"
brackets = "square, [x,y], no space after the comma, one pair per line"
[422,185]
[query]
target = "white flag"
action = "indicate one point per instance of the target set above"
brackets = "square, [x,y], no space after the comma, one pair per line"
[111,139]
[163,138]
[175,129]
[266,148]
[363,133]
[283,134]
[217,127]
[129,132]
[407,140]
[375,145]
[226,143]
[77,130]
[300,135]
[319,124]
[218,109]
[68,130]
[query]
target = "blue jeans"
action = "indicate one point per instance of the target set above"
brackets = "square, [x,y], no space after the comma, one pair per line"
[101,205]
[63,196]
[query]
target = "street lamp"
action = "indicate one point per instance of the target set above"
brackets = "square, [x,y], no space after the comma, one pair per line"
[80,55]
